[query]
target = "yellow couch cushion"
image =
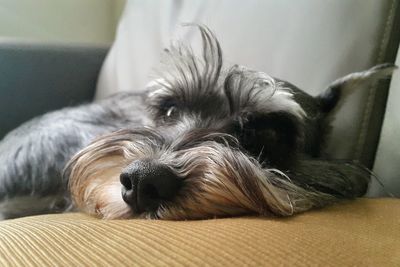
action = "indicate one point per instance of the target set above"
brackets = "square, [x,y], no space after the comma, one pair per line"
[365,232]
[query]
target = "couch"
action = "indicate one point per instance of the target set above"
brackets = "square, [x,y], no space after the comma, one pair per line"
[36,78]
[360,233]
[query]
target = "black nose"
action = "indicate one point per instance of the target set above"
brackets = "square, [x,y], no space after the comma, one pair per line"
[147,184]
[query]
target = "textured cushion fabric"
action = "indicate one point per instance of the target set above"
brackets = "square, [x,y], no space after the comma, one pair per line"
[365,232]
[307,42]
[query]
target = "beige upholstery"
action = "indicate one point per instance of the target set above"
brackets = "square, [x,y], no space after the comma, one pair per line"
[360,233]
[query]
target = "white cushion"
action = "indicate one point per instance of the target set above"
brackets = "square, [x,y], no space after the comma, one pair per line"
[307,42]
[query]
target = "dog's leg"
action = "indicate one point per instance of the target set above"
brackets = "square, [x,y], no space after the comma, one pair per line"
[330,99]
[339,178]
[342,179]
[14,207]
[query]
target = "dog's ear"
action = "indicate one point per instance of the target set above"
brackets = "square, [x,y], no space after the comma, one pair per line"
[331,98]
[274,138]
[270,120]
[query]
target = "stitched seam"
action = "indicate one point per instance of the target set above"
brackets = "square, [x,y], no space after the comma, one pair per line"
[366,118]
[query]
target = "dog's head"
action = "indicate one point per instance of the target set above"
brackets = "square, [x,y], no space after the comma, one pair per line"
[223,142]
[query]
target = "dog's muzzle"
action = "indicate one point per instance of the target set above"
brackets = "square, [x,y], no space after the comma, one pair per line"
[147,184]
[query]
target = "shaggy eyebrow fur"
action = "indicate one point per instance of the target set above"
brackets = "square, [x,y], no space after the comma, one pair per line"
[187,81]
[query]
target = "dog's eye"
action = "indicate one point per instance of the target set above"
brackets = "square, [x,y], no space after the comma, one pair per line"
[171,111]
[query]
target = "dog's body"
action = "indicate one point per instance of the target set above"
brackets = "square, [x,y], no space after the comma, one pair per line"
[35,154]
[199,142]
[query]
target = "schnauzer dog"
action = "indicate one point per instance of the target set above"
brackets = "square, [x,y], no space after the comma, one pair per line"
[201,141]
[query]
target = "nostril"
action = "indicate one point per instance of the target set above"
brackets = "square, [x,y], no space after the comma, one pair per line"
[126,181]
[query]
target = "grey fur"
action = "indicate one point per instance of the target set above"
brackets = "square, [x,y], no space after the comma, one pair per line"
[34,155]
[195,103]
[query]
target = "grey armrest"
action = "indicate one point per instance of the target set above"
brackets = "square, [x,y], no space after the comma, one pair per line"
[36,78]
